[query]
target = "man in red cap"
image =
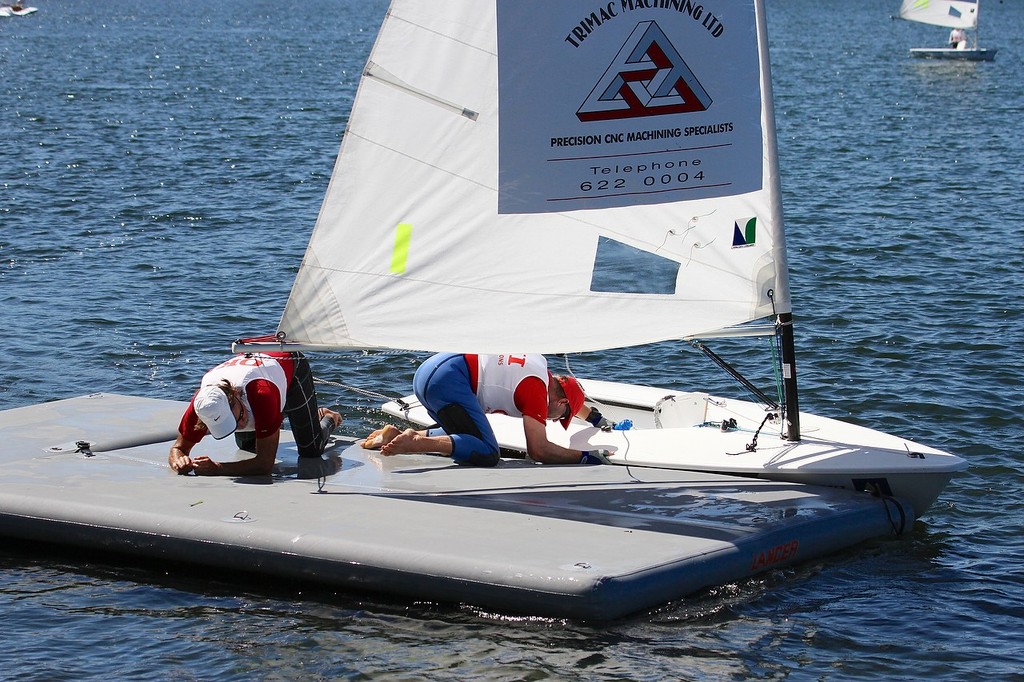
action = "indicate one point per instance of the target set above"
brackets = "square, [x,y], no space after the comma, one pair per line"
[459,390]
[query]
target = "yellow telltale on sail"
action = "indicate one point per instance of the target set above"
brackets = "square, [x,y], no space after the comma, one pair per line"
[400,254]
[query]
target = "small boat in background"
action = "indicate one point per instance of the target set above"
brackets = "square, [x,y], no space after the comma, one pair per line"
[961,16]
[15,10]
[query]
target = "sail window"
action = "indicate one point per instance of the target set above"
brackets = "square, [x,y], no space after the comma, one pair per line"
[620,268]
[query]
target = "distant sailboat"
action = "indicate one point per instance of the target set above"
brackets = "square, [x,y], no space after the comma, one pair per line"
[16,10]
[960,16]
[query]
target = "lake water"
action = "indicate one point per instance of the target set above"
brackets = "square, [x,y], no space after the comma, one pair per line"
[161,167]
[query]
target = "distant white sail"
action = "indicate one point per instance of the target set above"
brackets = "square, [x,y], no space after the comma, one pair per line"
[550,177]
[948,13]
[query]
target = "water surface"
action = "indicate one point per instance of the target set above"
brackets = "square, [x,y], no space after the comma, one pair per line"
[161,169]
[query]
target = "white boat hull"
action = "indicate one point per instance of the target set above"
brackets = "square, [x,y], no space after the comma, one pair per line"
[685,433]
[11,12]
[976,55]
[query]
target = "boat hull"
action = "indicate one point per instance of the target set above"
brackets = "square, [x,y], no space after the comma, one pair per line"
[678,430]
[977,55]
[590,542]
[11,12]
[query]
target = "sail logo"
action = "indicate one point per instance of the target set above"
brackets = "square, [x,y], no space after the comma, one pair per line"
[648,77]
[744,232]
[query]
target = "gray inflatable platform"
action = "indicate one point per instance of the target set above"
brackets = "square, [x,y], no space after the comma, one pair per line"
[589,542]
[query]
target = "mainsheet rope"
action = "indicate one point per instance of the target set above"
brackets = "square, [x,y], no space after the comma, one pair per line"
[356,389]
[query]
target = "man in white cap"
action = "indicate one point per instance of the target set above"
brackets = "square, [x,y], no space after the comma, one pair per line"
[458,390]
[249,396]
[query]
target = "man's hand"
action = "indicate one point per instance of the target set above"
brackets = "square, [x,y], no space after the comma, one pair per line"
[179,461]
[595,418]
[335,416]
[204,466]
[596,457]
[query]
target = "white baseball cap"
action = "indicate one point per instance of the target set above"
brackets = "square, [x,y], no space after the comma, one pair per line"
[213,407]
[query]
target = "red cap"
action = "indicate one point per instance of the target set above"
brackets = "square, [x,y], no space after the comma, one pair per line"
[574,392]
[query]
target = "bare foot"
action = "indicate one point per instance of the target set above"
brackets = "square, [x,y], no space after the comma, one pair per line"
[380,437]
[402,443]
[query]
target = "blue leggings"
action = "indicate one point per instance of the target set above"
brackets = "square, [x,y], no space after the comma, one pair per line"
[442,385]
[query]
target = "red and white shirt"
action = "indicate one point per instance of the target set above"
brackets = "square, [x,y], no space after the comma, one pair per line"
[516,385]
[264,380]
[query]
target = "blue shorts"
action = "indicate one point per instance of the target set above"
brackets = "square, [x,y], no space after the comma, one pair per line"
[442,385]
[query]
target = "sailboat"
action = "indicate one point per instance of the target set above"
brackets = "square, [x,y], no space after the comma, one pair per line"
[505,167]
[485,202]
[959,15]
[16,10]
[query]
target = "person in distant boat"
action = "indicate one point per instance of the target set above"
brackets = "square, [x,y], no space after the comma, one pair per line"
[458,390]
[957,39]
[249,396]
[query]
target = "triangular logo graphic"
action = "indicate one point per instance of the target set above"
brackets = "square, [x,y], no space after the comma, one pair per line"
[744,232]
[648,77]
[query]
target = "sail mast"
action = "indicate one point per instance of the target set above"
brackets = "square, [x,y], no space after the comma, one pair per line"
[781,294]
[789,377]
[977,25]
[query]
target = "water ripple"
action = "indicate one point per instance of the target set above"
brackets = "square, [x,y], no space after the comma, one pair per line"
[161,172]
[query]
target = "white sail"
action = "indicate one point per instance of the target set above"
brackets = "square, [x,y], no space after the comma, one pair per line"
[948,13]
[509,165]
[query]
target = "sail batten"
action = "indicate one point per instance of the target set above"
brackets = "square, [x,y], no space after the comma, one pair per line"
[375,71]
[507,179]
